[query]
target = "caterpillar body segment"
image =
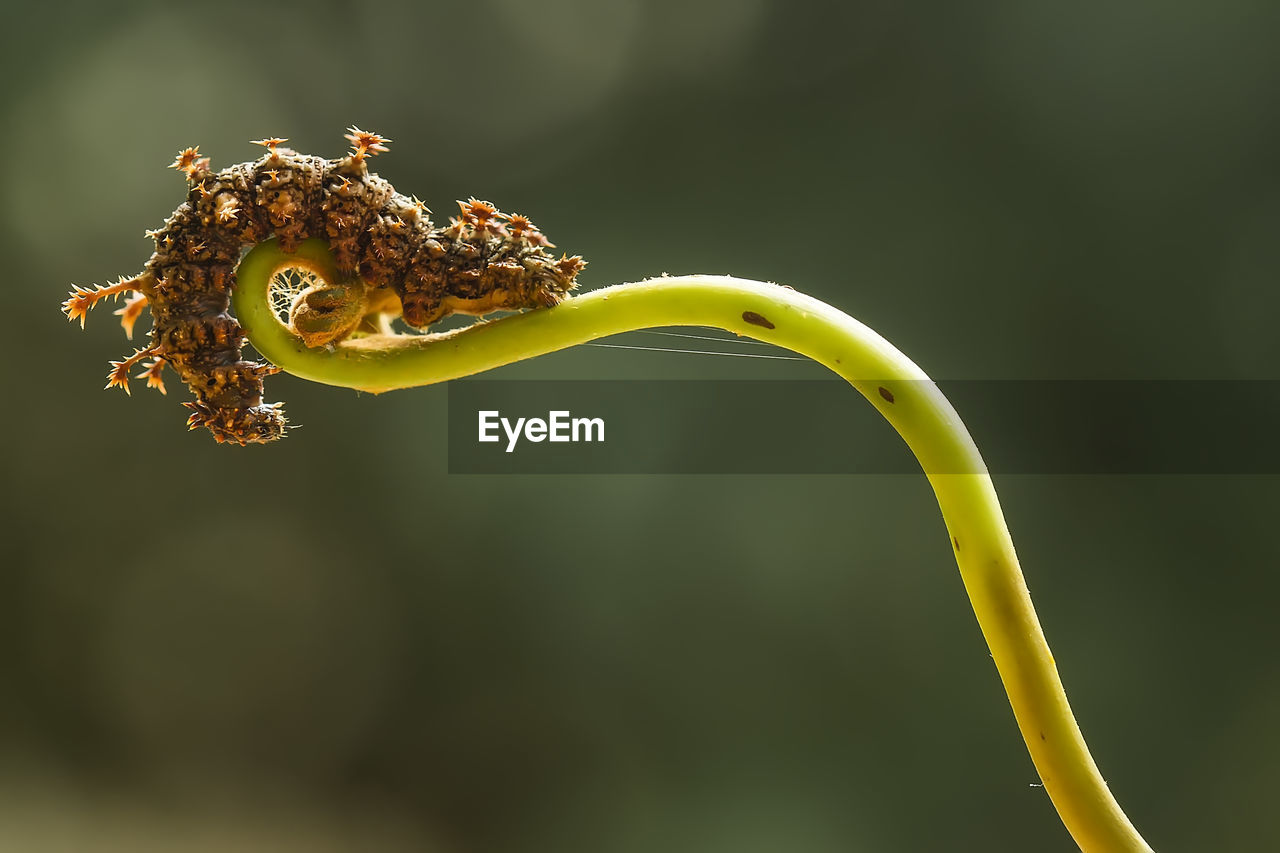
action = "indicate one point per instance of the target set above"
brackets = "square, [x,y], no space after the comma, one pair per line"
[391,259]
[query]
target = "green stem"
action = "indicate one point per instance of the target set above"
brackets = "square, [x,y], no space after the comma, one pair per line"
[778,315]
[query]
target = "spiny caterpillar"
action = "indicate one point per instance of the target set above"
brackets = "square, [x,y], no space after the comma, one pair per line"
[383,242]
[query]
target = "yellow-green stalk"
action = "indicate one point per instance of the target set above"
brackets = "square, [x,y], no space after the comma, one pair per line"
[778,315]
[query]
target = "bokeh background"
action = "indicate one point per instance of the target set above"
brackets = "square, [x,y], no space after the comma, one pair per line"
[331,644]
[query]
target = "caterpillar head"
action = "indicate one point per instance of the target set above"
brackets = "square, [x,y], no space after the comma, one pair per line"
[252,425]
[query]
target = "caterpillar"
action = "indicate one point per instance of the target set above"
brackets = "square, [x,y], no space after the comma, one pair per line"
[384,244]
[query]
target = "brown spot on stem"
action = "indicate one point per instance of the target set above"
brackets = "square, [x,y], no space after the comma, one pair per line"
[955,541]
[886,393]
[757,319]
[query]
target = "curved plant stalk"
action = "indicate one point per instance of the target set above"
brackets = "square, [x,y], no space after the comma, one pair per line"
[778,315]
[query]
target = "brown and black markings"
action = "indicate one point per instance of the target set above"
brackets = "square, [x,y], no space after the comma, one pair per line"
[482,261]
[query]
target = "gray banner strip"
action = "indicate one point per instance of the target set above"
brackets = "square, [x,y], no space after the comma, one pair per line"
[826,427]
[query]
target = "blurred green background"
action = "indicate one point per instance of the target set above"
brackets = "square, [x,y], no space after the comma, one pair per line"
[330,644]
